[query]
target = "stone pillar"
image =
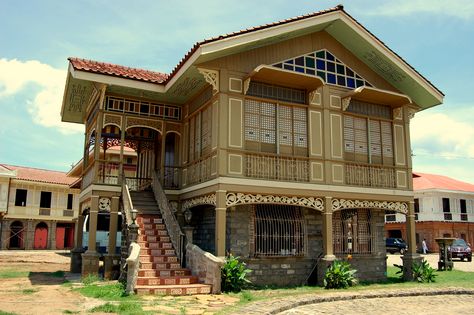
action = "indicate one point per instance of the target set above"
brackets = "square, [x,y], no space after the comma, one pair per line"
[188,231]
[328,251]
[29,235]
[410,255]
[4,237]
[76,252]
[90,259]
[52,235]
[220,223]
[112,259]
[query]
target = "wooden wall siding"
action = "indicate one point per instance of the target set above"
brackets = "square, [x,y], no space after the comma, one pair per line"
[317,171]
[316,133]
[215,126]
[235,123]
[336,136]
[249,60]
[399,145]
[401,179]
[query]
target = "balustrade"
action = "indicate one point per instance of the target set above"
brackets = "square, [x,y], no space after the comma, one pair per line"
[274,167]
[370,176]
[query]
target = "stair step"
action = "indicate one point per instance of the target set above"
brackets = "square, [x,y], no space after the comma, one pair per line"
[174,289]
[149,220]
[151,226]
[157,252]
[158,272]
[155,245]
[153,238]
[158,259]
[155,232]
[160,265]
[167,280]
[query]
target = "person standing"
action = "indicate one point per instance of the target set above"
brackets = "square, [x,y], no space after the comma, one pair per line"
[424,246]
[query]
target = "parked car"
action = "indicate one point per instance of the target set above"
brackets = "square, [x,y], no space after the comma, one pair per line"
[460,249]
[394,245]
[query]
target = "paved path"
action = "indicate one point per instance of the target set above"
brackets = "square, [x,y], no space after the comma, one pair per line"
[446,305]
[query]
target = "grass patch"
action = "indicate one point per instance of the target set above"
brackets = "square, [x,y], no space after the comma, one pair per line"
[6,313]
[29,291]
[9,274]
[70,312]
[122,308]
[58,274]
[105,292]
[89,279]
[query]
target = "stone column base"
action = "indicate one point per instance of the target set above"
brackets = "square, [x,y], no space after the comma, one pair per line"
[408,260]
[76,260]
[90,263]
[111,267]
[323,265]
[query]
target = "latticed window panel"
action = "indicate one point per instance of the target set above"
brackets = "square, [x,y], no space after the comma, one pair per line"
[122,105]
[262,118]
[206,130]
[325,65]
[191,137]
[387,139]
[352,232]
[279,230]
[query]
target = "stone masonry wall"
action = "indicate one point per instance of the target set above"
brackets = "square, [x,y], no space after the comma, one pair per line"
[204,221]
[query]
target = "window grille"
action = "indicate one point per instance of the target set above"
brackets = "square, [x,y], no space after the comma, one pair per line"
[275,92]
[369,109]
[352,232]
[325,65]
[279,230]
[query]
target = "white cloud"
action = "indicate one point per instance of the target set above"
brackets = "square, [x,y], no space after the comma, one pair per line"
[44,85]
[442,135]
[460,8]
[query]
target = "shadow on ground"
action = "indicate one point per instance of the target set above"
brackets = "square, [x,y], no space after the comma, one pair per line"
[46,278]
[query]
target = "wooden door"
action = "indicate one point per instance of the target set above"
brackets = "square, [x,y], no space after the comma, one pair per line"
[60,234]
[41,236]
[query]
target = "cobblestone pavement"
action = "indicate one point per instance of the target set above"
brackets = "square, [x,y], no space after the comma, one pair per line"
[446,304]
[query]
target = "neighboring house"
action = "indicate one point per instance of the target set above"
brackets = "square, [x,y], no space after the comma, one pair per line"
[283,144]
[444,207]
[37,208]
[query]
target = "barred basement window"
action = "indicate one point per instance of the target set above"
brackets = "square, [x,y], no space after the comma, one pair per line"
[352,232]
[279,230]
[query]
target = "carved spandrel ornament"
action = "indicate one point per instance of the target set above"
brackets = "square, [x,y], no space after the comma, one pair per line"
[77,98]
[201,200]
[141,122]
[339,204]
[234,199]
[112,120]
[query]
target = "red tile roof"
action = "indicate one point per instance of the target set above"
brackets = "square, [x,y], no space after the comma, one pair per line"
[40,175]
[117,70]
[423,181]
[161,78]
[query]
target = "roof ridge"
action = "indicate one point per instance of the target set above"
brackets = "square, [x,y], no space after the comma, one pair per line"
[30,167]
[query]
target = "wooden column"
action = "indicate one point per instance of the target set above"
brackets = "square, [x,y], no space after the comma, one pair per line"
[78,232]
[122,142]
[410,226]
[327,230]
[93,213]
[113,225]
[220,233]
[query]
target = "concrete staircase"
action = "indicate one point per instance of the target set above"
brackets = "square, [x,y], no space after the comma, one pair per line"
[160,270]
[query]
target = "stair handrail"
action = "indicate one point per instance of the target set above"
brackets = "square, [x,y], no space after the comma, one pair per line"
[127,204]
[177,236]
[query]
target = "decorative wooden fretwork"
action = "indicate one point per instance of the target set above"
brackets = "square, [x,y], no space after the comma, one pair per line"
[141,122]
[235,199]
[142,108]
[112,120]
[211,77]
[384,67]
[411,113]
[325,65]
[397,206]
[201,200]
[276,92]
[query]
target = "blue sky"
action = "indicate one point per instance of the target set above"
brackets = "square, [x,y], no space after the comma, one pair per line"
[36,37]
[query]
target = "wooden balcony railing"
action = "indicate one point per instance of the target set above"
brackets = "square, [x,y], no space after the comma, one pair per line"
[171,177]
[273,167]
[370,176]
[200,170]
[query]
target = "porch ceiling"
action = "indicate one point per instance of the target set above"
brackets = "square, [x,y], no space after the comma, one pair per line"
[373,95]
[268,74]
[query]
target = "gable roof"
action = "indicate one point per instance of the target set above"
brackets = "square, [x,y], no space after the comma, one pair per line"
[335,21]
[40,175]
[422,181]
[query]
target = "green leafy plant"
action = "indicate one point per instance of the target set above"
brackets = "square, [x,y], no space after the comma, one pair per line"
[422,272]
[340,275]
[233,275]
[400,271]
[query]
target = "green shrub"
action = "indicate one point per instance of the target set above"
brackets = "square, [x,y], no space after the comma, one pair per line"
[233,275]
[422,272]
[339,275]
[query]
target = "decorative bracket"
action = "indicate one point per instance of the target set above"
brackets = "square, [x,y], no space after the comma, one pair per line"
[397,113]
[246,85]
[201,200]
[211,77]
[411,113]
[345,103]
